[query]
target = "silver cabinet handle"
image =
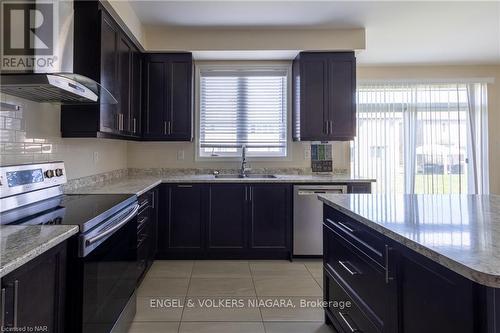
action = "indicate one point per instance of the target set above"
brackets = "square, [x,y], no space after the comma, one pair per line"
[351,327]
[352,271]
[331,126]
[16,300]
[327,127]
[130,216]
[165,127]
[184,186]
[135,125]
[169,127]
[388,277]
[2,305]
[346,227]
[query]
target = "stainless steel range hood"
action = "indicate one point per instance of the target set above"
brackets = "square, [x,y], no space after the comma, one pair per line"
[40,68]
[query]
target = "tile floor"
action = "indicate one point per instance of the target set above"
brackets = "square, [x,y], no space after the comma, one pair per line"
[231,297]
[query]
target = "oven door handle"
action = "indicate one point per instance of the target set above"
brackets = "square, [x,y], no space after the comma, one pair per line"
[130,216]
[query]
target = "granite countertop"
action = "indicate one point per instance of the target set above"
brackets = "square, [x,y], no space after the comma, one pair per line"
[460,232]
[141,184]
[15,251]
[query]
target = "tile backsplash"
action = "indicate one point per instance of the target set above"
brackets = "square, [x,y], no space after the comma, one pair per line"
[32,134]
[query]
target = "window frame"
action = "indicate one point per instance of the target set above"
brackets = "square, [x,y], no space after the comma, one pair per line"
[238,65]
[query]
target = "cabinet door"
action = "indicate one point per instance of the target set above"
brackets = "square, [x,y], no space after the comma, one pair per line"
[155,98]
[342,96]
[270,219]
[444,298]
[34,293]
[314,98]
[125,62]
[184,218]
[153,214]
[179,108]
[109,74]
[136,93]
[226,216]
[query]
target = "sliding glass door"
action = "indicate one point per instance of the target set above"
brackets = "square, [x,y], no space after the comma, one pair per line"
[417,138]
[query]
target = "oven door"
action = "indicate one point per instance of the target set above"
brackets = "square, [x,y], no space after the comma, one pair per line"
[109,276]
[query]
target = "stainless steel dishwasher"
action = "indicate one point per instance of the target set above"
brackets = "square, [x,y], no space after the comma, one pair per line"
[308,218]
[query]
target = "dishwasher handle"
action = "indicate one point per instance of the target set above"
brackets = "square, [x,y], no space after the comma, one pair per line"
[316,192]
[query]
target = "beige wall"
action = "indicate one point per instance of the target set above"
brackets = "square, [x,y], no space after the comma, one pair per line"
[164,155]
[454,72]
[33,135]
[203,39]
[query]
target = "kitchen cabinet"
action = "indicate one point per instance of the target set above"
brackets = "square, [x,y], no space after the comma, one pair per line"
[34,294]
[147,230]
[270,216]
[359,187]
[168,84]
[104,53]
[136,103]
[225,221]
[181,229]
[394,289]
[324,96]
[124,82]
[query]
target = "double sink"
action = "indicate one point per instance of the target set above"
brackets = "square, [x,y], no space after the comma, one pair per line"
[238,176]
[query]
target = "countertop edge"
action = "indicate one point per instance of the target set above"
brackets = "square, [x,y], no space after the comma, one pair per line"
[472,274]
[37,251]
[149,182]
[146,188]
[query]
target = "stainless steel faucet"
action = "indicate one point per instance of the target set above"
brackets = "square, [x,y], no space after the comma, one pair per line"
[243,168]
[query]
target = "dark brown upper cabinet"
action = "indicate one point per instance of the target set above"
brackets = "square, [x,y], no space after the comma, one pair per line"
[324,96]
[103,52]
[167,91]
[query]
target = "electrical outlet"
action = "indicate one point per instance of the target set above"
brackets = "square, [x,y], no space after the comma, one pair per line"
[180,155]
[95,157]
[307,153]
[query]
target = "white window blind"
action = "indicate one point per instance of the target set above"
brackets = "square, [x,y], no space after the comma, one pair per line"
[243,107]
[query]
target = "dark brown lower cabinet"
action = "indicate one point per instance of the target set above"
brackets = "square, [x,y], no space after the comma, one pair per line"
[392,289]
[147,231]
[270,216]
[222,221]
[226,220]
[34,294]
[181,225]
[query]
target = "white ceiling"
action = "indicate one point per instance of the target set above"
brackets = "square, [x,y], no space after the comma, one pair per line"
[396,32]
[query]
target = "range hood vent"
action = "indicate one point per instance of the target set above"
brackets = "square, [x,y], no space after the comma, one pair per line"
[47,75]
[55,88]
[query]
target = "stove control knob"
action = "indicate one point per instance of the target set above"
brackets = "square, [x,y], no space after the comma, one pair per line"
[49,173]
[59,172]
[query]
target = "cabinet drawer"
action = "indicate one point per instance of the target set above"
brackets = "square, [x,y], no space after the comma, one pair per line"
[349,318]
[363,277]
[359,236]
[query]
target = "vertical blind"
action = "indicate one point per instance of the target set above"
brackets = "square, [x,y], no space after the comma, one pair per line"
[422,138]
[244,107]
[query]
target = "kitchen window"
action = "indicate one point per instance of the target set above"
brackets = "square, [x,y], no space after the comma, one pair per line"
[422,138]
[243,107]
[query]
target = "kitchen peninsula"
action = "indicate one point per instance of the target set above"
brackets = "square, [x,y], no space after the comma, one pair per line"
[413,263]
